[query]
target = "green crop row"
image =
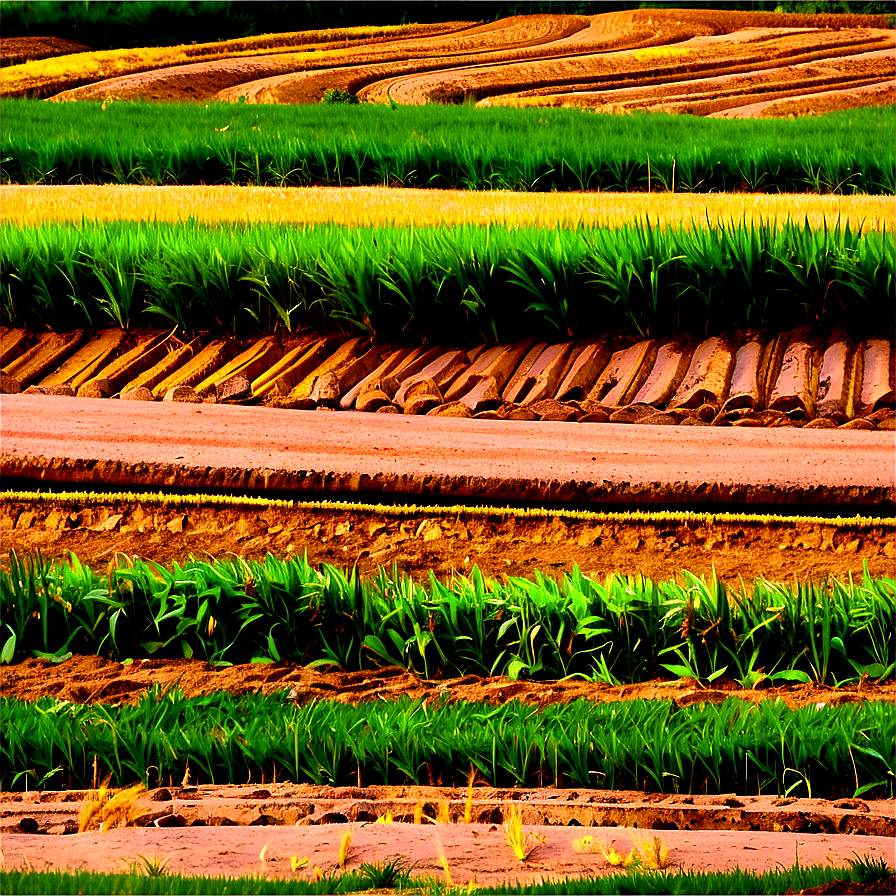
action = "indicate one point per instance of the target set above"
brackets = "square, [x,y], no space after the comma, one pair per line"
[144,881]
[444,147]
[621,630]
[454,284]
[649,745]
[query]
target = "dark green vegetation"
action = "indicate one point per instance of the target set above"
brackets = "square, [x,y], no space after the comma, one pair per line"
[793,879]
[446,285]
[444,147]
[162,22]
[623,629]
[766,748]
[336,97]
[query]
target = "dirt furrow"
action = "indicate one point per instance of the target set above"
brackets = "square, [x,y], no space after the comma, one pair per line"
[747,379]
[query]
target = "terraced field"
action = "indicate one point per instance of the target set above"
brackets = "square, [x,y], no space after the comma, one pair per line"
[236,344]
[701,62]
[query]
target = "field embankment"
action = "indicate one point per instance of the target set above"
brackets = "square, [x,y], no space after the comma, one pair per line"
[255,450]
[444,539]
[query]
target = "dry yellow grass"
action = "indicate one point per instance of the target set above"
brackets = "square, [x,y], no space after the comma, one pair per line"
[381,206]
[105,808]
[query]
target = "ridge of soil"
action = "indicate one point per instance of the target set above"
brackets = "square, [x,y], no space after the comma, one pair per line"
[806,377]
[447,542]
[17,50]
[304,805]
[94,679]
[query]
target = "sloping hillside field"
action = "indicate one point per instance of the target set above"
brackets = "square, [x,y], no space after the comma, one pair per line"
[703,62]
[390,439]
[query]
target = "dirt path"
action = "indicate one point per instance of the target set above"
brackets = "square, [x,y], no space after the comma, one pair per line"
[213,446]
[474,852]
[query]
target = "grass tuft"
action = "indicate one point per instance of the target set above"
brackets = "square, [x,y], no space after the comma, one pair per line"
[105,809]
[522,842]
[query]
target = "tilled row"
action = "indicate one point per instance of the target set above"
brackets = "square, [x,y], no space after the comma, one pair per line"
[747,379]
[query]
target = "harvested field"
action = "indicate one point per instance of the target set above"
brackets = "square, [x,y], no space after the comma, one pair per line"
[46,74]
[381,206]
[18,50]
[697,61]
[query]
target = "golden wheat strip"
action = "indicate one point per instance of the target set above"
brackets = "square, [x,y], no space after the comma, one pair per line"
[382,206]
[161,499]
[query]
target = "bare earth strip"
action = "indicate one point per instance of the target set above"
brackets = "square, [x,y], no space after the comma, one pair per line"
[262,448]
[474,852]
[378,206]
[446,540]
[730,95]
[93,679]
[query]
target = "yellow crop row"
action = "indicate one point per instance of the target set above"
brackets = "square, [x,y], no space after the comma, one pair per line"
[380,206]
[62,72]
[247,502]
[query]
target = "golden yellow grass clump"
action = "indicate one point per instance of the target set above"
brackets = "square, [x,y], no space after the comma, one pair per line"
[522,842]
[383,206]
[105,808]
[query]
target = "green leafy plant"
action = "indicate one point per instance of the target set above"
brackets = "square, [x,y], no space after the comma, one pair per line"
[335,96]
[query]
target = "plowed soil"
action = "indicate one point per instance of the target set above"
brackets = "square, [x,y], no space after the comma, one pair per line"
[702,62]
[92,679]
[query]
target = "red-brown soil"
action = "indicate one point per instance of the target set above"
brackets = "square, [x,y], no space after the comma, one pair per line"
[698,61]
[92,679]
[103,444]
[446,541]
[16,50]
[805,377]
